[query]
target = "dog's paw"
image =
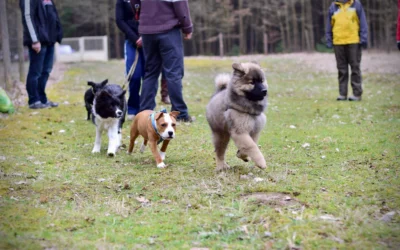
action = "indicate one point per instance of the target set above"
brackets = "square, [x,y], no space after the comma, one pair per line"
[222,167]
[243,157]
[111,154]
[95,150]
[262,166]
[161,165]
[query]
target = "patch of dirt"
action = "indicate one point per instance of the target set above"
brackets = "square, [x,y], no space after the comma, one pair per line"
[19,96]
[275,200]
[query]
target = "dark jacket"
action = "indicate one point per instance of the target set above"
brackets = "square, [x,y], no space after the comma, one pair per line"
[125,20]
[41,22]
[159,16]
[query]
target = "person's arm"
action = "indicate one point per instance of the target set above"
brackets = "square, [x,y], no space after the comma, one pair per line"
[122,22]
[182,12]
[363,25]
[28,13]
[59,27]
[328,31]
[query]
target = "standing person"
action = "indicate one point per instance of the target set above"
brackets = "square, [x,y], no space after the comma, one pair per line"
[127,23]
[398,26]
[347,31]
[42,29]
[133,44]
[160,25]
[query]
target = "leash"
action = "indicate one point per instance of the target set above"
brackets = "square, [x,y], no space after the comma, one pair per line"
[154,125]
[131,70]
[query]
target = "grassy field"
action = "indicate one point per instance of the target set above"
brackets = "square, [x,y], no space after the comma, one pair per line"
[332,180]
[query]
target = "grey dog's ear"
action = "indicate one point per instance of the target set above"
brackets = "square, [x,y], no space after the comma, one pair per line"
[238,69]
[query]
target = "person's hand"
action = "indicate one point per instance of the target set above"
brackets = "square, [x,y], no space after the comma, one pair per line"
[364,45]
[139,42]
[187,36]
[329,45]
[36,47]
[398,45]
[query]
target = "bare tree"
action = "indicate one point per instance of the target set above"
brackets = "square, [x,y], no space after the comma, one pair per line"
[6,46]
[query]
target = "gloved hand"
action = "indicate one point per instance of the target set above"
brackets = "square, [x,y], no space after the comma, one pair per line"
[329,45]
[398,45]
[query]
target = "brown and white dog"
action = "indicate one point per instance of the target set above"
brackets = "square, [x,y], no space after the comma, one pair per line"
[154,127]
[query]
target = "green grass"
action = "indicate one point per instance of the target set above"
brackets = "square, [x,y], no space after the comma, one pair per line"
[55,193]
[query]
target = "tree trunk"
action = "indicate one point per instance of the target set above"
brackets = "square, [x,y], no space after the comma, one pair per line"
[303,24]
[7,85]
[282,28]
[295,27]
[221,44]
[288,29]
[20,41]
[265,43]
[242,32]
[310,26]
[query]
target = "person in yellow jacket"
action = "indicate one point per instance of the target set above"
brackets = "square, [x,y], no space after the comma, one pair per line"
[347,32]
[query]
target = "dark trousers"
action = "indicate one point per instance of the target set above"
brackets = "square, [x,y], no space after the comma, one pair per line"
[40,66]
[349,54]
[163,52]
[136,79]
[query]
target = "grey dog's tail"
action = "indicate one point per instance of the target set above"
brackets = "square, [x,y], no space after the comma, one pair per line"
[222,81]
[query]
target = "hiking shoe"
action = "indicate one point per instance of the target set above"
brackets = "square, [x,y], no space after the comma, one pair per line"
[341,98]
[355,98]
[51,104]
[186,119]
[38,105]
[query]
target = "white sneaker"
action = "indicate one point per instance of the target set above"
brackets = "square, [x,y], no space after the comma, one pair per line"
[131,117]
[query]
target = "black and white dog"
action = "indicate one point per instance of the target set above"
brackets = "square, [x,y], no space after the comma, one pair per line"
[89,95]
[109,109]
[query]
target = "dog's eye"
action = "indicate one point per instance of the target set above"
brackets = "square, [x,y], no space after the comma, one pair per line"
[163,125]
[173,124]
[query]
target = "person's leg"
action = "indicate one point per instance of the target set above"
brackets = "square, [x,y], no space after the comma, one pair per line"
[171,48]
[46,70]
[135,82]
[153,63]
[343,68]
[34,72]
[355,61]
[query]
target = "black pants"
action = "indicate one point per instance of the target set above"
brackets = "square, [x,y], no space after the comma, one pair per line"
[349,54]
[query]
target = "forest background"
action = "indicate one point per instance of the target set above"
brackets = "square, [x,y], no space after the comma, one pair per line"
[221,27]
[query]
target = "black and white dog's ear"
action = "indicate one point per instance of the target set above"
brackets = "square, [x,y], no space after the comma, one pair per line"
[238,69]
[90,83]
[103,83]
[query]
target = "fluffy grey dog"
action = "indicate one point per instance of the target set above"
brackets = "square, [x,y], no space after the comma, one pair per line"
[236,111]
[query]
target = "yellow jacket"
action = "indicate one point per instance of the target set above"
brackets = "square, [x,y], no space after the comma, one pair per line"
[346,23]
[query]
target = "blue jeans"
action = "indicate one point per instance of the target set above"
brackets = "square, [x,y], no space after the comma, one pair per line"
[164,52]
[40,66]
[138,74]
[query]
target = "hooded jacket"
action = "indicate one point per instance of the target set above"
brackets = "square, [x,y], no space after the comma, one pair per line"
[159,16]
[346,23]
[40,21]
